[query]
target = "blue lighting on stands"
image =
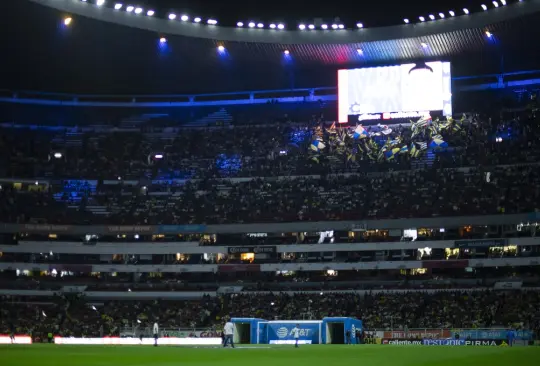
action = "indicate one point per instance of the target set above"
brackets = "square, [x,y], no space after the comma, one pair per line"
[228,165]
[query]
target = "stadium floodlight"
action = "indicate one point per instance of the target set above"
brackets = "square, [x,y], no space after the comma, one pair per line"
[441,15]
[302,26]
[260,25]
[150,13]
[341,26]
[484,7]
[172,16]
[360,51]
[211,21]
[495,4]
[100,2]
[324,26]
[466,11]
[239,24]
[286,52]
[431,16]
[503,2]
[138,10]
[118,6]
[421,19]
[130,8]
[489,34]
[221,48]
[272,26]
[424,45]
[334,26]
[58,155]
[406,21]
[67,21]
[451,12]
[281,26]
[163,40]
[251,25]
[359,25]
[158,156]
[197,20]
[184,18]
[311,26]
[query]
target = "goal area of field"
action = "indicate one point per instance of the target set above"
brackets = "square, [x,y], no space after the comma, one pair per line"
[326,331]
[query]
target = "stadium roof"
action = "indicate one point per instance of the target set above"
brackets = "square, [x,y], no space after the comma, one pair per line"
[109,51]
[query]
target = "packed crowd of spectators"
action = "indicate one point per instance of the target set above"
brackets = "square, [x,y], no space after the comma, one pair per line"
[242,151]
[73,316]
[416,193]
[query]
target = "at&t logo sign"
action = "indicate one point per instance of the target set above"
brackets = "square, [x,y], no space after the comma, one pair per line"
[282,332]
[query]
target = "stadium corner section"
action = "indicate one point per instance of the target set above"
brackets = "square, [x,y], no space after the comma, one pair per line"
[336,330]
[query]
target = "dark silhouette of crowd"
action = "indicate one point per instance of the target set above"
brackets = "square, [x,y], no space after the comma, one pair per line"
[73,315]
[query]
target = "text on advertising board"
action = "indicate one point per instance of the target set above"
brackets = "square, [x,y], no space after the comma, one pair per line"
[256,250]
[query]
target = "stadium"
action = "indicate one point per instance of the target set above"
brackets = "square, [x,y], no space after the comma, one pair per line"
[262,183]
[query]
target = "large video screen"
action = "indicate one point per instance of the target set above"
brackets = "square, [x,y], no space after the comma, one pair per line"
[390,92]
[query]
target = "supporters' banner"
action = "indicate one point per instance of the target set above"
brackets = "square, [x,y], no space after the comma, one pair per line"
[417,333]
[513,285]
[177,229]
[39,228]
[256,250]
[463,263]
[19,339]
[239,268]
[481,243]
[74,289]
[496,334]
[280,332]
[402,342]
[229,289]
[130,229]
[193,334]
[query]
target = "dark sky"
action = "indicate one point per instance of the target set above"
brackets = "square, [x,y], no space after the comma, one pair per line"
[98,57]
[371,13]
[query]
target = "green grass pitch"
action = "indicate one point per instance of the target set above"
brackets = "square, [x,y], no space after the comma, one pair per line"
[308,355]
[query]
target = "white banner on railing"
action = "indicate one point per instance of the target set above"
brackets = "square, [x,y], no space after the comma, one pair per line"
[136,341]
[19,339]
[510,285]
[229,289]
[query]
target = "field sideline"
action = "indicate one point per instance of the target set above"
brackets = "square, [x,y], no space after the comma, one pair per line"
[312,355]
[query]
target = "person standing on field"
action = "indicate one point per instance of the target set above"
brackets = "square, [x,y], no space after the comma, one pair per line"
[156,333]
[296,334]
[228,330]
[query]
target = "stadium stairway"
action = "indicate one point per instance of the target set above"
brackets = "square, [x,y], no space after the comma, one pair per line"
[221,117]
[138,121]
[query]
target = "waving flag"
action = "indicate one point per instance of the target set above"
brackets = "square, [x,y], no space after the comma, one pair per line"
[389,155]
[360,133]
[317,145]
[437,143]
